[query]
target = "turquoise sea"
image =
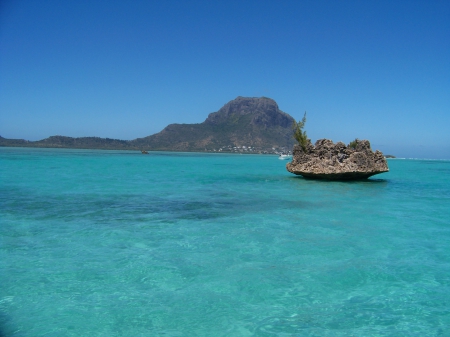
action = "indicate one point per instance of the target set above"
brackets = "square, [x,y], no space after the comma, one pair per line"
[116,243]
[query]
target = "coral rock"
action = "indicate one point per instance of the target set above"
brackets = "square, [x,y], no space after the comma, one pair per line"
[326,160]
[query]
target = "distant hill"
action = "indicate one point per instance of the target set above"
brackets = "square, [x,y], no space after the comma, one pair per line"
[257,123]
[70,143]
[245,124]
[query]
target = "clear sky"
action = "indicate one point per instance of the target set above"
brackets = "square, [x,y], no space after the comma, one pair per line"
[377,70]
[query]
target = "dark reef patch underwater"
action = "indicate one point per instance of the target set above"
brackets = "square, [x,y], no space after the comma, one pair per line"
[111,243]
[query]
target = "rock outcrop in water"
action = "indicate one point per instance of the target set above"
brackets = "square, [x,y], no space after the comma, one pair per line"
[326,160]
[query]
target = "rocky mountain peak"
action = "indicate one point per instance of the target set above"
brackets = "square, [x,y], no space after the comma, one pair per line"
[263,111]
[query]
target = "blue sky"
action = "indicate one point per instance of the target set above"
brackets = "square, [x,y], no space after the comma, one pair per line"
[377,70]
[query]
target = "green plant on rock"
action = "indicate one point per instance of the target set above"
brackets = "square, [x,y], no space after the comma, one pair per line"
[299,133]
[353,144]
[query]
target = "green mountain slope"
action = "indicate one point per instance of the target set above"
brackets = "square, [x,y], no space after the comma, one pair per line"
[257,123]
[244,124]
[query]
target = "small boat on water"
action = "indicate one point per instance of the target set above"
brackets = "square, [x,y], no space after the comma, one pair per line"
[285,156]
[144,152]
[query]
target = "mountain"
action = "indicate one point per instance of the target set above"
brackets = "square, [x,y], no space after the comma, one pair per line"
[247,124]
[70,143]
[252,122]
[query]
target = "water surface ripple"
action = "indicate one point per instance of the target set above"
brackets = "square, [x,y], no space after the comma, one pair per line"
[111,243]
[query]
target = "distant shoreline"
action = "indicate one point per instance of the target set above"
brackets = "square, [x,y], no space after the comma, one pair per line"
[203,152]
[137,151]
[97,143]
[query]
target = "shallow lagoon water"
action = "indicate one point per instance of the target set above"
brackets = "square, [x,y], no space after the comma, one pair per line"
[116,243]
